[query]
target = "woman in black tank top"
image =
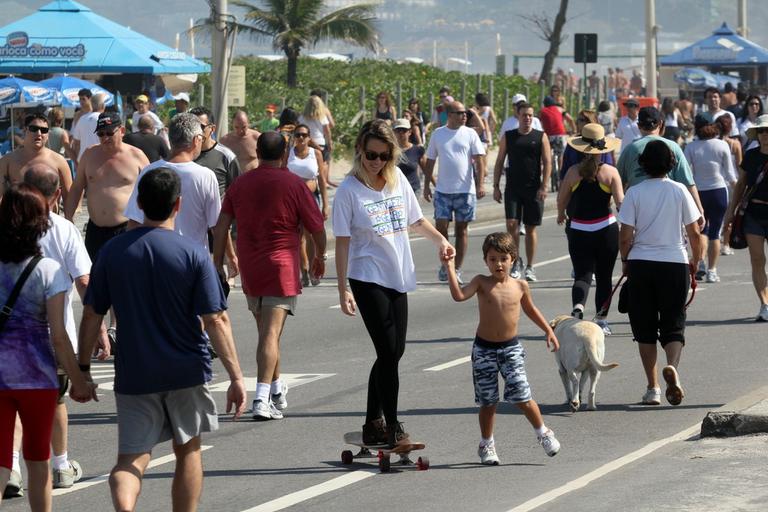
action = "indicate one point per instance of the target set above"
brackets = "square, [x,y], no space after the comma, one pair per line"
[584,202]
[384,109]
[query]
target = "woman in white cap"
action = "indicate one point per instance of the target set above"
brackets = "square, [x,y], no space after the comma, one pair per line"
[753,181]
[584,201]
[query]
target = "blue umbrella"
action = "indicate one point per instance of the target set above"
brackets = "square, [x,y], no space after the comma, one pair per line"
[67,87]
[697,77]
[17,90]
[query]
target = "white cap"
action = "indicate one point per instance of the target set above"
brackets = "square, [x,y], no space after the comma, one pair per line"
[182,96]
[402,123]
[517,98]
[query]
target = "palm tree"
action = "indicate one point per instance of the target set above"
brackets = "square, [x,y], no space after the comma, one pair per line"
[297,24]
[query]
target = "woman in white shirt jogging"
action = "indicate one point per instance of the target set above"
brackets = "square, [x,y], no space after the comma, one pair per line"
[654,257]
[372,211]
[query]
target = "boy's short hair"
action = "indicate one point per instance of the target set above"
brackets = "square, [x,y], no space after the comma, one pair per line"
[502,242]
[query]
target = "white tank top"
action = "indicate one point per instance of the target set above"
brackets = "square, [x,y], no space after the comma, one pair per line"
[305,168]
[671,120]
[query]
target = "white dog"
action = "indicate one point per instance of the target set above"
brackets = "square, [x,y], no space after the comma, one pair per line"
[582,348]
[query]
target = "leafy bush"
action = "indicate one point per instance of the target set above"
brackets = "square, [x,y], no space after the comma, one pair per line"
[265,82]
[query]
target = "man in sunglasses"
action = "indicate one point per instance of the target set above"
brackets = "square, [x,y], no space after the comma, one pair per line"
[459,182]
[34,152]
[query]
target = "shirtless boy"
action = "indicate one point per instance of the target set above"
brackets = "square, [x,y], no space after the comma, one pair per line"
[33,152]
[242,142]
[108,170]
[497,349]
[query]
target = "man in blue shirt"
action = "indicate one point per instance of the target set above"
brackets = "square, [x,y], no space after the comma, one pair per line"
[160,285]
[651,125]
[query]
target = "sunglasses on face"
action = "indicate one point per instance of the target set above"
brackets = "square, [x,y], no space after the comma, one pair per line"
[301,135]
[35,128]
[105,133]
[460,112]
[372,155]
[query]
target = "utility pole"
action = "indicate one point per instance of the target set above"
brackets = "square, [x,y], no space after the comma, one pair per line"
[742,29]
[650,48]
[220,68]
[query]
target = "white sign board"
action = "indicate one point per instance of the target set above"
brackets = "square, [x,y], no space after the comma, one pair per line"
[236,86]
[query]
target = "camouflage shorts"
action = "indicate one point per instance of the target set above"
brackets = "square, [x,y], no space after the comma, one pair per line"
[489,359]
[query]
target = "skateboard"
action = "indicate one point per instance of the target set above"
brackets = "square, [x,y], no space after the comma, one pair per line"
[383,453]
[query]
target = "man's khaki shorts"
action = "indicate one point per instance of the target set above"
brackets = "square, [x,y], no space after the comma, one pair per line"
[256,303]
[149,419]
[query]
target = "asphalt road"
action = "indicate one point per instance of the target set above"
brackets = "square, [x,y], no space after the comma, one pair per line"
[623,456]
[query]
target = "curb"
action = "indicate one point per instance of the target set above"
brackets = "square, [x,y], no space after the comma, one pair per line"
[752,420]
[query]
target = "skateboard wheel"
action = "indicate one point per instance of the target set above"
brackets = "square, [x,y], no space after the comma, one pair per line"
[347,457]
[384,465]
[422,464]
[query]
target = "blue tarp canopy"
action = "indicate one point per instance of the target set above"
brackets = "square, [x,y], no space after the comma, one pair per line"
[67,37]
[697,77]
[723,48]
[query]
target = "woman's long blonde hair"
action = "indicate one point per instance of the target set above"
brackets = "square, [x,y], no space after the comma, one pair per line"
[377,129]
[314,108]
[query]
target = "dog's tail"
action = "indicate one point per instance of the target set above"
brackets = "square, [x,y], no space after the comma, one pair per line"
[591,348]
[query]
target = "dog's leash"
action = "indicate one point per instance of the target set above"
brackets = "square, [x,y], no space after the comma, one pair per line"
[607,304]
[692,271]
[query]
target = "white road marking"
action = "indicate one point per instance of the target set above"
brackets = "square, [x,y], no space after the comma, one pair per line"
[316,490]
[449,364]
[335,306]
[292,379]
[553,260]
[84,484]
[603,470]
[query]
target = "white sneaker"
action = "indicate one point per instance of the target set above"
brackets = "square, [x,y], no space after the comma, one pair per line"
[652,397]
[488,455]
[442,274]
[66,478]
[530,274]
[725,250]
[712,276]
[550,444]
[515,272]
[281,403]
[458,276]
[762,316]
[265,411]
[603,324]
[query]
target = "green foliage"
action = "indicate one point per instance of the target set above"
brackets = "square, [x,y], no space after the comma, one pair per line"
[265,82]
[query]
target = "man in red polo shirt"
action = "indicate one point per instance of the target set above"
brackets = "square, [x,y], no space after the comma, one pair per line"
[270,204]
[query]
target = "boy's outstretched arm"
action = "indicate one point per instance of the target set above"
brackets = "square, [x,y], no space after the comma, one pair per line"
[458,293]
[532,312]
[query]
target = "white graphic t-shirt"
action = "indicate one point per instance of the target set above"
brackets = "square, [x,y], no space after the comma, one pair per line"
[377,224]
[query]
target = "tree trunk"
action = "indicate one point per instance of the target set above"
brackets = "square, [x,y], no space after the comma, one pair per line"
[554,42]
[292,57]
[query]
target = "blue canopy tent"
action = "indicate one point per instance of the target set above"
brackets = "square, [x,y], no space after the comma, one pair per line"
[67,37]
[723,51]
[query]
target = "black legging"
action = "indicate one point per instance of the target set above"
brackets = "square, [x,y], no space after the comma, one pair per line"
[593,252]
[385,314]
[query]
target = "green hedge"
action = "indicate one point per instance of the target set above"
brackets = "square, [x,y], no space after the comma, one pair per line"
[265,82]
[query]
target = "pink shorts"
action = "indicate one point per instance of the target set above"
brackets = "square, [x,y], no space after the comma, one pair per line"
[35,407]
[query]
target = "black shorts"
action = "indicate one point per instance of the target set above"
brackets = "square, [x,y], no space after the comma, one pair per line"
[523,204]
[657,294]
[97,236]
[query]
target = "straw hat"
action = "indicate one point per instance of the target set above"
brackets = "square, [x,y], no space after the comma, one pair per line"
[593,140]
[762,122]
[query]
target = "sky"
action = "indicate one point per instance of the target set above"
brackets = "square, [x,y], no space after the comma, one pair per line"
[413,28]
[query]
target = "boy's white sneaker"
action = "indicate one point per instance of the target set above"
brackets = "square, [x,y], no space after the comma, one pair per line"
[488,455]
[550,443]
[762,315]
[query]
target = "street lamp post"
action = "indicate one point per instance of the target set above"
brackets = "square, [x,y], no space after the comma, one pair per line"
[220,68]
[650,48]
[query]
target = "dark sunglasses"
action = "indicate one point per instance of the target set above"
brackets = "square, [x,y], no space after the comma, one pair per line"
[753,104]
[372,155]
[301,135]
[582,120]
[204,126]
[460,112]
[34,129]
[101,134]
